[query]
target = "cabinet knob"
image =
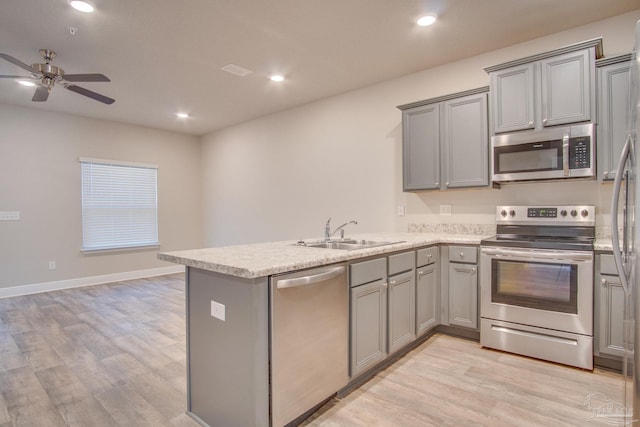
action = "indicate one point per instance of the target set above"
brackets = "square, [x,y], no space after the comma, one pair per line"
[473,269]
[428,256]
[393,282]
[385,284]
[606,174]
[437,184]
[604,282]
[420,273]
[531,123]
[544,121]
[461,254]
[446,183]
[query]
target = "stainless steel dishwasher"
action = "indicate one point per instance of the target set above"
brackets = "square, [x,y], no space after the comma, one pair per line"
[309,336]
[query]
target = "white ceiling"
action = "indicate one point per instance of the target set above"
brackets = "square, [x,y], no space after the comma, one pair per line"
[165,56]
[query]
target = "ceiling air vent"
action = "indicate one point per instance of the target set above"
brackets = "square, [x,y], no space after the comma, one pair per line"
[236,69]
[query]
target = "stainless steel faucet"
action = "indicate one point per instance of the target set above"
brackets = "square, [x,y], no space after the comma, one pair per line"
[327,229]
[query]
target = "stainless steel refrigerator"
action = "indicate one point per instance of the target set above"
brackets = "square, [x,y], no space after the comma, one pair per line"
[625,203]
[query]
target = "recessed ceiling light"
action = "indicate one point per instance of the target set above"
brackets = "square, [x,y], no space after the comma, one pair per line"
[26,83]
[183,115]
[277,78]
[426,20]
[82,6]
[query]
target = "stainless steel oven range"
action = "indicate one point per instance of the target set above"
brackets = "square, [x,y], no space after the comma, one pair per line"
[536,283]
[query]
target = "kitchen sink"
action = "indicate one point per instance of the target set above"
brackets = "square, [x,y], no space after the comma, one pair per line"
[344,244]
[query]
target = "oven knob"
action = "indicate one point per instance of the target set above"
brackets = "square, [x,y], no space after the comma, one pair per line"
[512,212]
[503,213]
[584,213]
[574,213]
[563,212]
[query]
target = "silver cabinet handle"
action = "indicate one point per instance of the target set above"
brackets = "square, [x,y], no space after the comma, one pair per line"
[310,280]
[615,240]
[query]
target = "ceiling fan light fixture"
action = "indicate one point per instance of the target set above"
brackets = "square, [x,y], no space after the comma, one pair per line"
[277,78]
[26,83]
[183,115]
[82,6]
[426,20]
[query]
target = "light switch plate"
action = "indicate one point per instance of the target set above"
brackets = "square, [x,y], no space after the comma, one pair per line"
[9,215]
[445,210]
[402,210]
[217,310]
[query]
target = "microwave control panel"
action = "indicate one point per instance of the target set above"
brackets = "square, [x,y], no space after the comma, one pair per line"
[580,152]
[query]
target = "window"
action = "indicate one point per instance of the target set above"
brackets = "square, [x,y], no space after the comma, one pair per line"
[119,205]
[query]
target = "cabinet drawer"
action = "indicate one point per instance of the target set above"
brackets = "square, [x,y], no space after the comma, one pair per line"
[427,256]
[402,262]
[467,254]
[367,271]
[608,265]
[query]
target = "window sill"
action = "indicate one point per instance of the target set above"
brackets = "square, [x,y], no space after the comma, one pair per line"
[153,246]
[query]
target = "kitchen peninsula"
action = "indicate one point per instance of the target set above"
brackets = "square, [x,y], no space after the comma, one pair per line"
[228,313]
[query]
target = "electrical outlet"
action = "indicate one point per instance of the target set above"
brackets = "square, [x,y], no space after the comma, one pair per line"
[52,265]
[402,210]
[445,210]
[217,310]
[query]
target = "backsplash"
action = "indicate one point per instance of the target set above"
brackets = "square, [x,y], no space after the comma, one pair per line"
[475,229]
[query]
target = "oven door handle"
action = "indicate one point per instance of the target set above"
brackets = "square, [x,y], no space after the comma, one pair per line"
[557,256]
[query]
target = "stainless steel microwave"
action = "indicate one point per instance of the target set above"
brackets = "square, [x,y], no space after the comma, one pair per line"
[554,153]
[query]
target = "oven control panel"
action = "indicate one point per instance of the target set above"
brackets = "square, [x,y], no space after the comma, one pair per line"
[577,215]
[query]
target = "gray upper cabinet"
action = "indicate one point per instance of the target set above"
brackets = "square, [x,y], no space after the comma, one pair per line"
[445,142]
[553,88]
[613,112]
[421,148]
[465,137]
[512,98]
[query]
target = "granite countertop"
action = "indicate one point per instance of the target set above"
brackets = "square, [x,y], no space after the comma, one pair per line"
[263,259]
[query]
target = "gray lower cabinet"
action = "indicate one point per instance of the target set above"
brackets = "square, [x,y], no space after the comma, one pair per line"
[613,112]
[463,286]
[543,90]
[427,285]
[609,306]
[445,142]
[368,319]
[402,300]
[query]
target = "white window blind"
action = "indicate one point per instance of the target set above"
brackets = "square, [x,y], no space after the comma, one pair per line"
[119,205]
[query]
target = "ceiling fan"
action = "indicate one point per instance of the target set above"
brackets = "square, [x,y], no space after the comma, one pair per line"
[49,75]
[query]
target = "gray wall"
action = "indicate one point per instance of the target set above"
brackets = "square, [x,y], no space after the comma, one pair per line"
[40,177]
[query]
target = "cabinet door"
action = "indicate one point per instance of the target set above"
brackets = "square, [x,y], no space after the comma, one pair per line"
[512,98]
[402,303]
[613,112]
[611,316]
[368,326]
[421,147]
[465,138]
[426,298]
[566,82]
[463,295]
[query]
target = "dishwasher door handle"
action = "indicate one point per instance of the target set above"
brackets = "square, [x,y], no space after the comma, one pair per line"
[310,280]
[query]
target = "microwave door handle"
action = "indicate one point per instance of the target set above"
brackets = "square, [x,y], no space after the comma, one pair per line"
[615,239]
[565,155]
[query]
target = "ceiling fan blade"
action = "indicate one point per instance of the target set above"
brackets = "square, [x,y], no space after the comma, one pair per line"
[85,78]
[16,77]
[41,94]
[90,94]
[18,63]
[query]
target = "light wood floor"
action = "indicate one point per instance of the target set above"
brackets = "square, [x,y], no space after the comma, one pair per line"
[114,355]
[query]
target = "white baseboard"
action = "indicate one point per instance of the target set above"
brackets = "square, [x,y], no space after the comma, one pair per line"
[88,281]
